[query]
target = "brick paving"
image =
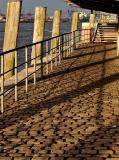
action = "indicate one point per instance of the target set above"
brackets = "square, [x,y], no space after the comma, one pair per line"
[72,114]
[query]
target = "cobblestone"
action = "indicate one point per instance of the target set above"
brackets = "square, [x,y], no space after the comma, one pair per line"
[72,114]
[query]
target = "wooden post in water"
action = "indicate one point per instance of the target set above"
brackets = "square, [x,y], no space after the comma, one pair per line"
[74,27]
[75,20]
[118,38]
[55,30]
[92,22]
[39,28]
[11,33]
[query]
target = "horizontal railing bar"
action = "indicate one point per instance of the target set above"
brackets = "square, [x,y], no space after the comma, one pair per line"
[8,90]
[32,44]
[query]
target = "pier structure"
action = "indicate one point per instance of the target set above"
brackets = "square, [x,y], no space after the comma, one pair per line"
[65,106]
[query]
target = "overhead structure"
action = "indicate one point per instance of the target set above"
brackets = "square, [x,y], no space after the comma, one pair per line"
[111,6]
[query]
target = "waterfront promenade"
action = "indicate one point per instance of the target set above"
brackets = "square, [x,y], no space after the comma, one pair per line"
[72,113]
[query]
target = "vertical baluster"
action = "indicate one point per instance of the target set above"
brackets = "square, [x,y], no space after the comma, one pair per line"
[26,67]
[51,55]
[16,77]
[41,59]
[67,44]
[34,47]
[84,35]
[2,83]
[70,43]
[47,59]
[59,49]
[56,51]
[64,45]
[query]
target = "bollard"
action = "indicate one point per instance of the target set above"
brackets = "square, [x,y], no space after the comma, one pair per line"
[39,28]
[92,22]
[74,28]
[11,33]
[55,31]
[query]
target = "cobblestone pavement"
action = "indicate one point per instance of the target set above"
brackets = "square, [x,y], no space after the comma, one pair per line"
[72,114]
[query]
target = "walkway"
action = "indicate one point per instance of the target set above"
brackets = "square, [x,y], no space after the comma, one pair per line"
[72,114]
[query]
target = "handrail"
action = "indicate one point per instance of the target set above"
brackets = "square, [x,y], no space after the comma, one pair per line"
[65,45]
[95,31]
[29,45]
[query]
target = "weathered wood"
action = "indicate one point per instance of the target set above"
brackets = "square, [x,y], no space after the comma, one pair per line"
[56,29]
[92,20]
[39,28]
[74,28]
[11,33]
[75,21]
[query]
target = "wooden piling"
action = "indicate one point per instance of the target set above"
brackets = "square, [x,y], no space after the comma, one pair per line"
[39,28]
[75,21]
[74,27]
[55,30]
[92,20]
[11,33]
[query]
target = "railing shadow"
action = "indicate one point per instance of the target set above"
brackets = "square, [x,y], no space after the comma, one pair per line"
[89,137]
[50,102]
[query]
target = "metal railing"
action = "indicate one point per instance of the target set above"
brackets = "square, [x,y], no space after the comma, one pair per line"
[26,67]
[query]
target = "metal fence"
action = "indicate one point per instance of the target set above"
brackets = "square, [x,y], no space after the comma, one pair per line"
[26,67]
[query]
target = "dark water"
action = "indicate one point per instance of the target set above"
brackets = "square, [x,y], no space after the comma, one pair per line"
[26,32]
[26,36]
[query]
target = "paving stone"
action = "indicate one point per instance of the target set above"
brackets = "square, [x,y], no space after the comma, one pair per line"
[70,114]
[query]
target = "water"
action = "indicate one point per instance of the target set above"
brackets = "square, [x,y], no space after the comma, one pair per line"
[25,37]
[26,32]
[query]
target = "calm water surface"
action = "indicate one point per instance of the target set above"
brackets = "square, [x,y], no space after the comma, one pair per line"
[26,32]
[26,35]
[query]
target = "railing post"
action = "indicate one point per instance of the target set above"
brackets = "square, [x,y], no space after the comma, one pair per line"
[34,64]
[73,40]
[51,57]
[62,46]
[2,83]
[118,38]
[47,58]
[42,60]
[16,77]
[56,52]
[59,49]
[26,67]
[67,44]
[70,43]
